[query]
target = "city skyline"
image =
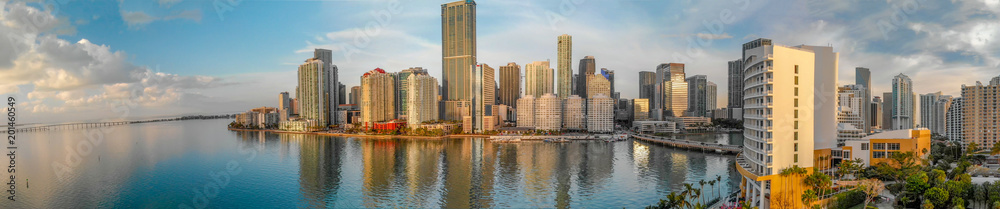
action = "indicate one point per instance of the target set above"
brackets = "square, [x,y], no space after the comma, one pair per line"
[55,86]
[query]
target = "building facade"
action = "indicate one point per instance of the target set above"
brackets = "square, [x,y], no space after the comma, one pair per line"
[600,114]
[735,84]
[548,113]
[954,121]
[573,113]
[402,79]
[671,97]
[510,84]
[598,84]
[377,97]
[422,99]
[697,95]
[565,50]
[903,103]
[588,66]
[863,79]
[458,56]
[933,112]
[647,84]
[979,108]
[526,111]
[313,97]
[538,78]
[641,109]
[711,98]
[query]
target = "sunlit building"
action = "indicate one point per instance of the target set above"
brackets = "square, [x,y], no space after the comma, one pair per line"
[565,49]
[526,111]
[641,110]
[422,92]
[377,97]
[538,79]
[979,110]
[933,112]
[312,92]
[600,114]
[548,113]
[903,105]
[955,117]
[573,113]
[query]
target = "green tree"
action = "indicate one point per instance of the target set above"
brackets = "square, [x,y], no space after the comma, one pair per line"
[872,188]
[927,205]
[915,186]
[937,196]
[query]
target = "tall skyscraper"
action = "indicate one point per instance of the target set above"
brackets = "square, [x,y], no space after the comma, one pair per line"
[863,78]
[312,92]
[565,50]
[735,84]
[697,95]
[781,113]
[538,79]
[401,80]
[458,55]
[377,97]
[850,117]
[510,84]
[284,106]
[647,84]
[980,103]
[331,90]
[483,97]
[875,113]
[422,97]
[671,97]
[587,67]
[902,103]
[711,97]
[933,110]
[342,94]
[887,102]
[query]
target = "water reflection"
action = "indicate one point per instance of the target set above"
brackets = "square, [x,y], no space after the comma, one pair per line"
[156,165]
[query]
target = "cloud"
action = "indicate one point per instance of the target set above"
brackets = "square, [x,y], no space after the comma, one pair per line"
[710,36]
[168,3]
[138,19]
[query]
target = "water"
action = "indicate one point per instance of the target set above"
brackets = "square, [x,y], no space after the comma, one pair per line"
[172,164]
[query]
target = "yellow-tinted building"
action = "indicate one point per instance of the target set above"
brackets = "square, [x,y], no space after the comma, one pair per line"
[877,148]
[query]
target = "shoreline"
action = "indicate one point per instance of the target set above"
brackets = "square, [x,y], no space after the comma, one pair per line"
[364,136]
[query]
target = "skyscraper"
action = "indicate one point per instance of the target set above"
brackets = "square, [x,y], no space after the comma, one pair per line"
[565,45]
[735,84]
[711,96]
[980,103]
[954,119]
[574,117]
[526,111]
[671,97]
[587,67]
[863,78]
[377,97]
[548,112]
[510,84]
[341,94]
[598,84]
[610,75]
[538,79]
[401,80]
[647,84]
[887,102]
[284,106]
[422,96]
[933,110]
[783,90]
[331,90]
[641,109]
[875,113]
[458,55]
[600,114]
[697,95]
[356,95]
[902,103]
[850,115]
[483,97]
[314,99]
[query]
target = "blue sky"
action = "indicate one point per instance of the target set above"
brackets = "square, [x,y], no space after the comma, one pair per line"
[70,60]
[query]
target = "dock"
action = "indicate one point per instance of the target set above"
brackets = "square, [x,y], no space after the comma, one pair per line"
[691,145]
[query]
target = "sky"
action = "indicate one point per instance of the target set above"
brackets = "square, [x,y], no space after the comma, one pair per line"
[88,60]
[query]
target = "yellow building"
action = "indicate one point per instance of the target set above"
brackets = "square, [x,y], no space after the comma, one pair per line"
[877,148]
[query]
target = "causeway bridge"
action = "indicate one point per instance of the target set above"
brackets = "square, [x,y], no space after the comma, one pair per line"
[691,145]
[86,125]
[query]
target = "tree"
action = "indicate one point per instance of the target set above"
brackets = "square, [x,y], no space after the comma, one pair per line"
[927,205]
[711,184]
[718,178]
[808,197]
[702,183]
[673,201]
[820,182]
[789,175]
[972,148]
[937,196]
[916,185]
[872,188]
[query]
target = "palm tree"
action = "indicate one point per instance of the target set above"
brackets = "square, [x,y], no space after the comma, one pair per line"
[718,179]
[688,193]
[711,185]
[702,183]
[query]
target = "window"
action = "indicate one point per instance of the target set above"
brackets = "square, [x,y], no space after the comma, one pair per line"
[796,91]
[864,146]
[796,134]
[796,113]
[835,153]
[796,125]
[768,159]
[796,80]
[847,154]
[893,146]
[878,146]
[795,157]
[796,147]
[878,154]
[796,69]
[769,147]
[796,102]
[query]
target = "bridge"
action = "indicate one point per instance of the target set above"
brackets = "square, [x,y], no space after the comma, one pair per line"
[691,145]
[86,125]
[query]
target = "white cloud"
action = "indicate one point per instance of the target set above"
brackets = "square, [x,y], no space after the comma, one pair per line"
[138,19]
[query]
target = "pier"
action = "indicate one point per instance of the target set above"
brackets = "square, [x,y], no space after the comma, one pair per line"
[691,145]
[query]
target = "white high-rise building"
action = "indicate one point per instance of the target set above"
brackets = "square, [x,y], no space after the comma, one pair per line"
[313,92]
[421,99]
[573,113]
[526,111]
[849,103]
[711,96]
[548,113]
[789,111]
[933,112]
[600,114]
[903,104]
[538,78]
[377,97]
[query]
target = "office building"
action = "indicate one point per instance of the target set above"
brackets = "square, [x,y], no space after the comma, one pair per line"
[342,94]
[863,78]
[484,97]
[284,106]
[933,112]
[378,97]
[788,115]
[356,95]
[312,92]
[538,78]
[600,114]
[587,67]
[510,84]
[887,102]
[979,108]
[526,111]
[458,57]
[331,86]
[671,97]
[402,87]
[548,113]
[903,103]
[641,109]
[610,75]
[735,84]
[422,99]
[954,121]
[647,84]
[573,113]
[565,49]
[849,114]
[697,95]
[875,113]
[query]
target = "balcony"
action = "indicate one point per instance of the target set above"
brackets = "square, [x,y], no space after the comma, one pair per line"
[744,167]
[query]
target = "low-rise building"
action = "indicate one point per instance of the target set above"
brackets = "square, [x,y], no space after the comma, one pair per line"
[877,148]
[691,123]
[655,127]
